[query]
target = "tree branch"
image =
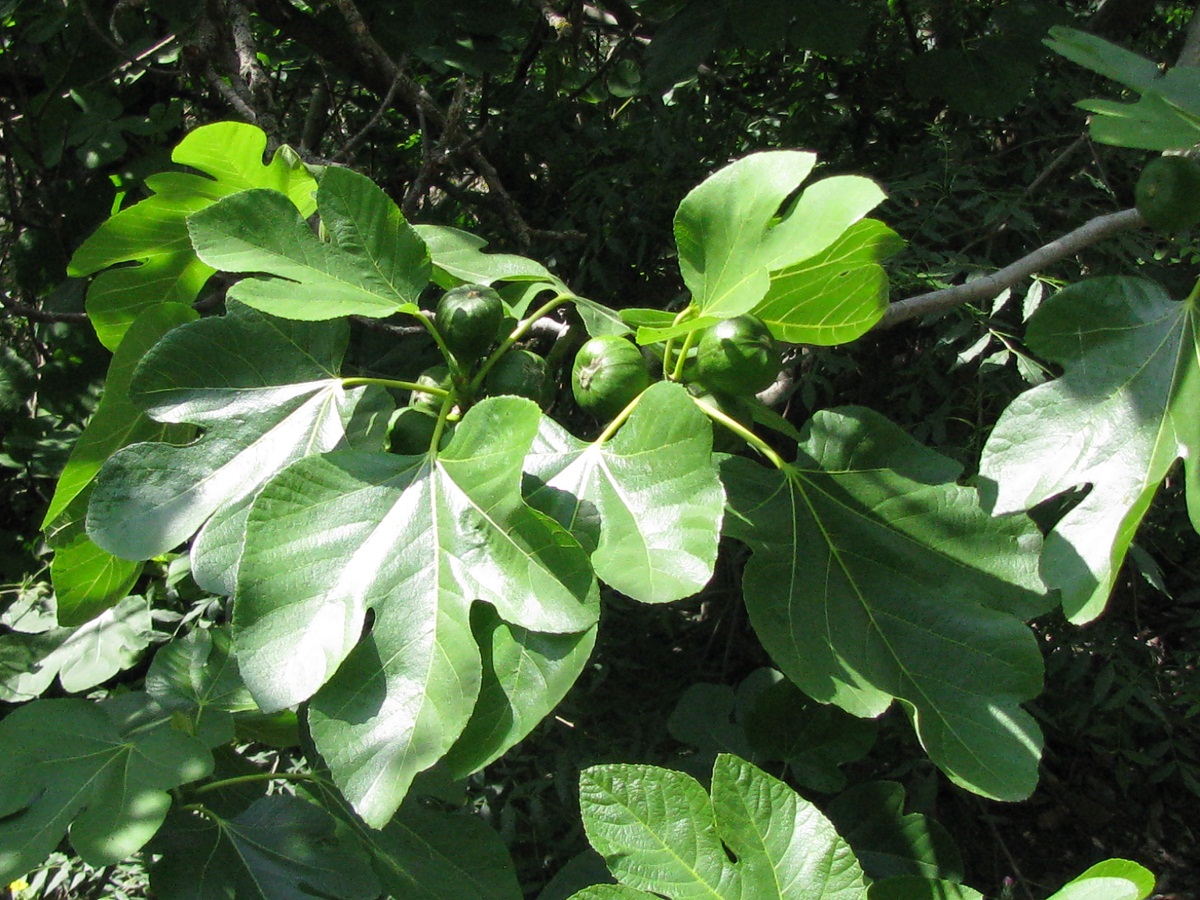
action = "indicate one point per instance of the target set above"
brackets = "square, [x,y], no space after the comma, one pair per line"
[250,69]
[9,308]
[990,286]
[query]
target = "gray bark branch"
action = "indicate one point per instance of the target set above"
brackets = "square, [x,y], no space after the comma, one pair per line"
[989,287]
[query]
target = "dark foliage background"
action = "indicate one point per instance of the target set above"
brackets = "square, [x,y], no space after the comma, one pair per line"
[568,131]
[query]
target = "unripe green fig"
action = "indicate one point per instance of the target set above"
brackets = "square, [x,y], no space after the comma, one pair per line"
[520,373]
[609,372]
[468,318]
[411,432]
[737,356]
[436,377]
[1168,193]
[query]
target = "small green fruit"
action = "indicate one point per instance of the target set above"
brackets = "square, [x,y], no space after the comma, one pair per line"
[468,319]
[609,372]
[1168,193]
[737,356]
[436,377]
[519,373]
[411,432]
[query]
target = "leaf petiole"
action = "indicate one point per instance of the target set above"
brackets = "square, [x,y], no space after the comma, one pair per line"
[611,428]
[399,385]
[674,373]
[517,333]
[251,779]
[744,433]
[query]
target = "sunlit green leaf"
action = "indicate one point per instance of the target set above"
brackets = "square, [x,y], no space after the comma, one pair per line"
[458,257]
[1112,879]
[153,233]
[612,892]
[69,765]
[654,487]
[373,263]
[267,392]
[86,578]
[414,541]
[1120,416]
[89,580]
[659,831]
[874,574]
[739,226]
[835,296]
[80,658]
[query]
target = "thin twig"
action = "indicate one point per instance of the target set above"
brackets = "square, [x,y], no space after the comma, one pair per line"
[352,144]
[991,286]
[435,119]
[230,95]
[125,53]
[1004,849]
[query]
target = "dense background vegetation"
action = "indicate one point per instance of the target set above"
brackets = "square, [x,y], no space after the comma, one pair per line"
[569,132]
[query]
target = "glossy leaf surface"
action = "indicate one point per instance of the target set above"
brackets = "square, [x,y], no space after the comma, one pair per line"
[86,578]
[266,391]
[660,832]
[89,580]
[837,295]
[1112,879]
[874,574]
[654,487]
[372,263]
[733,232]
[414,541]
[458,258]
[1120,416]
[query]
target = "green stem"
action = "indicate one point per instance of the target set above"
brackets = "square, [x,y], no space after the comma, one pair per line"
[611,428]
[674,373]
[744,433]
[400,385]
[517,333]
[443,415]
[688,340]
[251,779]
[451,362]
